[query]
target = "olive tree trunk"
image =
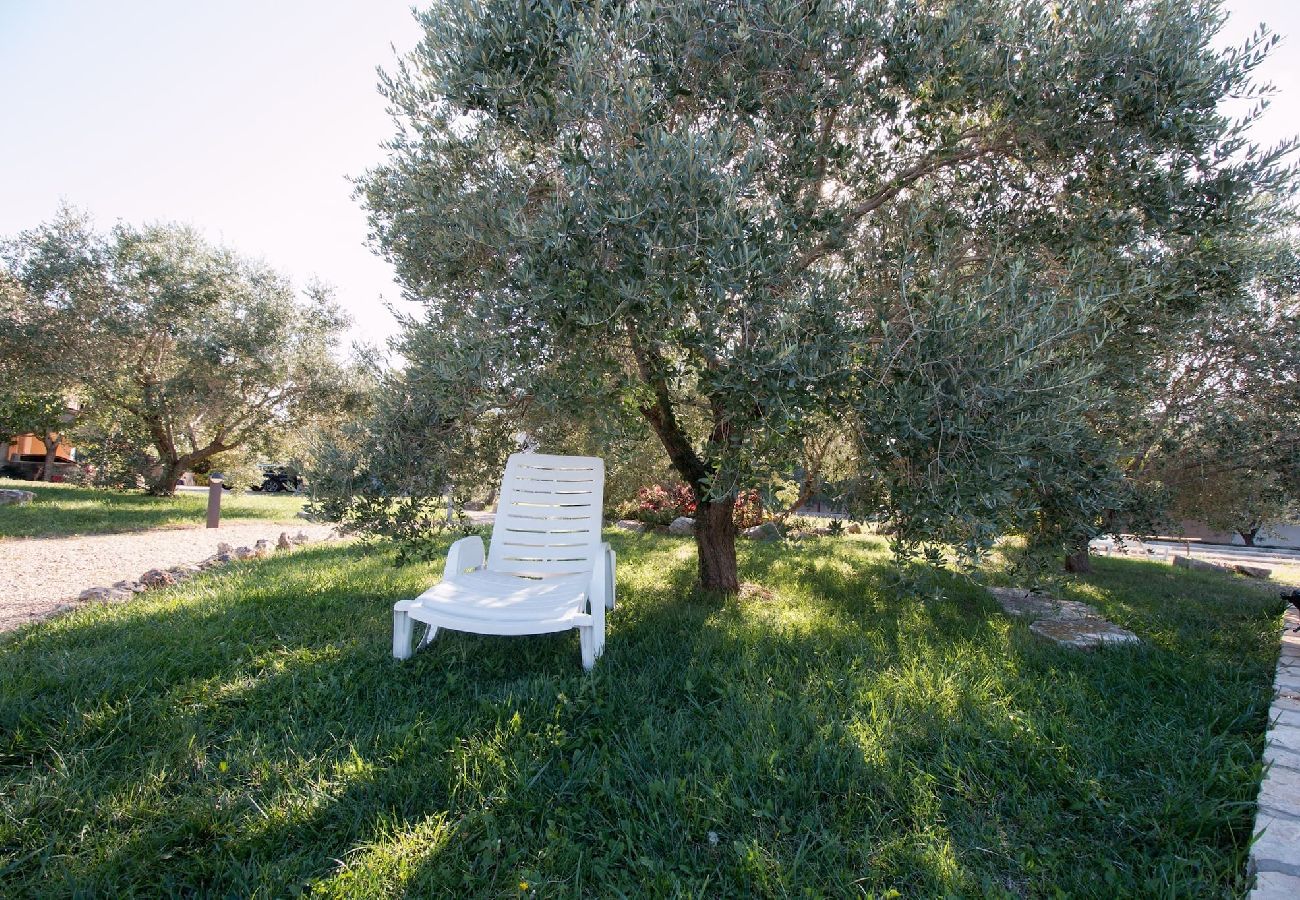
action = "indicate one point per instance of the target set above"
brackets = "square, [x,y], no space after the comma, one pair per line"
[715,545]
[51,456]
[1078,561]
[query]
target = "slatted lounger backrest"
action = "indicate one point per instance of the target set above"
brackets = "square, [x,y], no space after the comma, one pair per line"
[548,516]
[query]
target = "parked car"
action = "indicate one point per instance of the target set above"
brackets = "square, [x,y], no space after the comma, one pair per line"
[277,478]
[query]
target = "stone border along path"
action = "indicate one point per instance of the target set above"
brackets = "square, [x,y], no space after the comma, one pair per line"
[1275,855]
[40,577]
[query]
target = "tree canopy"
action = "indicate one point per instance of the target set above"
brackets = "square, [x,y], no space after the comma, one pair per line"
[928,221]
[192,347]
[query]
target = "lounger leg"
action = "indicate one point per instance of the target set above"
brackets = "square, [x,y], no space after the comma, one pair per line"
[401,634]
[609,579]
[429,634]
[587,638]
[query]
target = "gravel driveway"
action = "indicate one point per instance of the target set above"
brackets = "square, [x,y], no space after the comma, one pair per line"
[40,576]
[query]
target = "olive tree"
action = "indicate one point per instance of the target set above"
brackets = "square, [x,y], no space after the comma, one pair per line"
[730,221]
[198,349]
[41,413]
[1219,432]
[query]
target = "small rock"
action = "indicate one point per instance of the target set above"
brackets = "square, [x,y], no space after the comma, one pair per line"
[1253,571]
[713,839]
[853,528]
[222,558]
[300,538]
[102,593]
[284,543]
[682,525]
[156,578]
[631,525]
[134,587]
[16,497]
[262,549]
[243,553]
[303,514]
[223,547]
[768,531]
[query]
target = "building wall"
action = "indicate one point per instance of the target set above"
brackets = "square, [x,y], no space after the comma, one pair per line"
[1278,536]
[31,445]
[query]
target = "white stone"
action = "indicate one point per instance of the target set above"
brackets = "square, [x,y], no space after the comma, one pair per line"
[1284,736]
[1278,841]
[15,496]
[768,531]
[682,525]
[631,525]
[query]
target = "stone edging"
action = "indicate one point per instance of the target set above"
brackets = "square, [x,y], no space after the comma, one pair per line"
[1275,854]
[157,578]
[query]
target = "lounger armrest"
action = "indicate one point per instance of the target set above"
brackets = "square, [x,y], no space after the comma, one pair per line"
[466,553]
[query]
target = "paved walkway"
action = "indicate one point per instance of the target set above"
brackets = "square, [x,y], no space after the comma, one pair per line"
[1275,857]
[42,576]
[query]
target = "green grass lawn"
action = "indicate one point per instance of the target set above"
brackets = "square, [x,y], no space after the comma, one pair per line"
[248,734]
[64,509]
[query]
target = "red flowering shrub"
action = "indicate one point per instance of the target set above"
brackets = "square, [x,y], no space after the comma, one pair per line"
[683,500]
[749,509]
[657,505]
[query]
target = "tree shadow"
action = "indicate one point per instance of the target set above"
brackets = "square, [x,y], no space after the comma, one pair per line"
[252,734]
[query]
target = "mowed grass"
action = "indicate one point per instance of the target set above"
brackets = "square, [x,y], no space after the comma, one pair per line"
[63,509]
[248,734]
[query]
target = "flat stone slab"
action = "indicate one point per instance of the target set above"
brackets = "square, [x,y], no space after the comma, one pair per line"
[1187,562]
[1083,634]
[1068,623]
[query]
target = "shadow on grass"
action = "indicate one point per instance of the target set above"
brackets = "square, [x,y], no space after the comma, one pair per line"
[250,733]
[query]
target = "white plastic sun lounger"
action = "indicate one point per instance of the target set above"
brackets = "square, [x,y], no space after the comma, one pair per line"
[546,569]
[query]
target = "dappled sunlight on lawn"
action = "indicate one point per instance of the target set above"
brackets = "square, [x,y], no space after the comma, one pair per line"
[248,731]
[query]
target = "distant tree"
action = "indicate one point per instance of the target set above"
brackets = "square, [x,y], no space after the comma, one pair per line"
[44,415]
[202,350]
[1215,423]
[734,220]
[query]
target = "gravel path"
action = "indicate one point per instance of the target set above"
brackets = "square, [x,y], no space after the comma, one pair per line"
[41,576]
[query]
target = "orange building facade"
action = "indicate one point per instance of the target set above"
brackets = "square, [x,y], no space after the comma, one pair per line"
[26,453]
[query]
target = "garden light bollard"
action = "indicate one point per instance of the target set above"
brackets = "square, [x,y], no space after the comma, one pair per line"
[214,500]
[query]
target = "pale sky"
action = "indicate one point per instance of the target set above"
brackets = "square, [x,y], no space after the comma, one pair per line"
[244,118]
